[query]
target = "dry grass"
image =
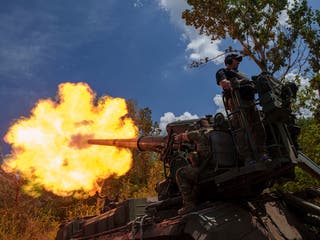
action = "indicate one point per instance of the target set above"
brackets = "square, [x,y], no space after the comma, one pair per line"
[22,217]
[27,223]
[26,218]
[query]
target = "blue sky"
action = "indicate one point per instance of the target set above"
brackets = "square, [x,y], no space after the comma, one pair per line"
[133,49]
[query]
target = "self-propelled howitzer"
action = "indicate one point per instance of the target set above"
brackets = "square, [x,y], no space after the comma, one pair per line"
[239,218]
[174,155]
[230,202]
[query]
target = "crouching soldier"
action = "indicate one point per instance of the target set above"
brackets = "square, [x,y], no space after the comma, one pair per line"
[187,176]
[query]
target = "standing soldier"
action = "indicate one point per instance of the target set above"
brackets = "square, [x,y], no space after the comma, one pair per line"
[250,138]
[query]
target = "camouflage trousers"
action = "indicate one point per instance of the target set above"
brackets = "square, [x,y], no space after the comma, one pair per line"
[251,137]
[187,179]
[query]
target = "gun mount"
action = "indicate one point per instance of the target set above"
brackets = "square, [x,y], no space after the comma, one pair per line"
[234,207]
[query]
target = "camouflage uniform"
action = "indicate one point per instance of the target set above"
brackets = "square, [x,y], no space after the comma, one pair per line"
[187,177]
[254,129]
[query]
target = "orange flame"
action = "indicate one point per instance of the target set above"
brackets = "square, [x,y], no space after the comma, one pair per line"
[46,147]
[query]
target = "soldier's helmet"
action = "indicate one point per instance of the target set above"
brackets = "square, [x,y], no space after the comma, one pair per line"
[204,123]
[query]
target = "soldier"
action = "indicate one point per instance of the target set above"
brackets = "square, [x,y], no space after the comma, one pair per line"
[187,177]
[227,78]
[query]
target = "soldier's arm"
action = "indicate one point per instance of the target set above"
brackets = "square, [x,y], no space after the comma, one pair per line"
[193,136]
[222,80]
[182,137]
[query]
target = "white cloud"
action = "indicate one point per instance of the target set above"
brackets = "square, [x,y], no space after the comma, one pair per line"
[305,112]
[283,17]
[169,117]
[174,9]
[304,82]
[199,46]
[219,103]
[138,4]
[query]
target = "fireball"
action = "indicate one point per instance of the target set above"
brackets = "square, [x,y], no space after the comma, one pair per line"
[49,148]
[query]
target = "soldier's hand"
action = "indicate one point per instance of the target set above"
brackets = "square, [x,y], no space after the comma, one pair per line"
[182,137]
[225,84]
[194,159]
[177,138]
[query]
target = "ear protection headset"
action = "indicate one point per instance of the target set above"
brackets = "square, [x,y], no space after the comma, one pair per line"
[228,60]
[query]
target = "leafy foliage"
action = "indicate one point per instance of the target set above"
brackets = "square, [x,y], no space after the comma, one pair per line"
[27,222]
[277,45]
[279,35]
[309,142]
[309,138]
[308,27]
[255,25]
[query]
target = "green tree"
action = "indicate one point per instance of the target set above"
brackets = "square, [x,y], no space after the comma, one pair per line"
[309,142]
[309,139]
[255,24]
[308,27]
[274,47]
[146,168]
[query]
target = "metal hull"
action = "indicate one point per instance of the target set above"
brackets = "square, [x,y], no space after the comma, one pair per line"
[265,217]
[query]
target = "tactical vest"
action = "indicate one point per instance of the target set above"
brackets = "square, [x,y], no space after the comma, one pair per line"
[218,152]
[246,89]
[223,152]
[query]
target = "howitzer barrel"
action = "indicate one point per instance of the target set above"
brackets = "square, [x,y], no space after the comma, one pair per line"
[148,143]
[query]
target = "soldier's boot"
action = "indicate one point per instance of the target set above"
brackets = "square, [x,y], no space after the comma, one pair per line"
[248,159]
[187,208]
[264,157]
[188,205]
[186,178]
